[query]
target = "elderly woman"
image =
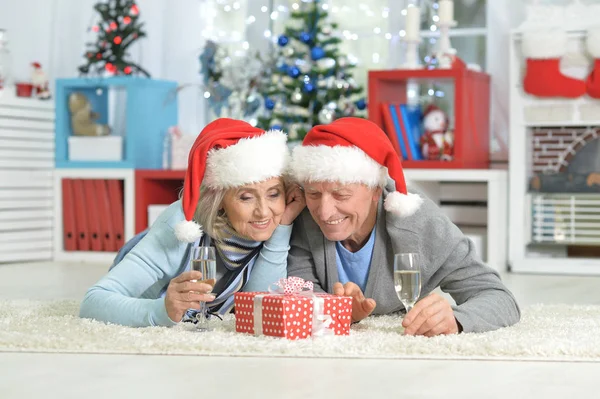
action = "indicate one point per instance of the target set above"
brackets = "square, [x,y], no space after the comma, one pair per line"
[234,199]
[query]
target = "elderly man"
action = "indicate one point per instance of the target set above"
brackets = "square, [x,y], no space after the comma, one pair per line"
[359,214]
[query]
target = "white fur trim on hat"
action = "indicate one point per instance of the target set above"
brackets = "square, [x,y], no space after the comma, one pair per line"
[593,42]
[402,204]
[188,231]
[544,44]
[250,160]
[344,164]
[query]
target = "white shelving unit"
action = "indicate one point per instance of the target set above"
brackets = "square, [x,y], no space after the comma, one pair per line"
[489,186]
[543,225]
[26,178]
[127,175]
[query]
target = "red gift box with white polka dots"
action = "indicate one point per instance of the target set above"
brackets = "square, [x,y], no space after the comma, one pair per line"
[292,316]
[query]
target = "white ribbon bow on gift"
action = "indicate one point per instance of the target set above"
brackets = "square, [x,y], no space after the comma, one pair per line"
[296,286]
[291,286]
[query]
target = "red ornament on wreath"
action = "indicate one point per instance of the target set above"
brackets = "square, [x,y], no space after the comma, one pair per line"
[127,20]
[134,10]
[437,142]
[110,68]
[127,70]
[113,25]
[117,40]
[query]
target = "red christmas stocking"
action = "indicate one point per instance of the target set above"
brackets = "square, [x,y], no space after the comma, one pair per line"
[543,78]
[592,83]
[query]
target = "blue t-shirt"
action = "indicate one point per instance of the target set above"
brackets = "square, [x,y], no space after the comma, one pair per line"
[354,266]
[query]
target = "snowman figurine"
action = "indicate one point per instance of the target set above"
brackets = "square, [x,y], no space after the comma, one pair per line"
[437,142]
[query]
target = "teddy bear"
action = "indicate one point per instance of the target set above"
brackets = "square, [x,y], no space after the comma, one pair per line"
[82,117]
[437,142]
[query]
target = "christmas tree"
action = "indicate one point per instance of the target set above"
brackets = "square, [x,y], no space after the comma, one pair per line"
[312,82]
[118,29]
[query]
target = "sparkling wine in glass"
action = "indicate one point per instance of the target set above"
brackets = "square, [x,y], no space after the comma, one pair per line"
[204,260]
[407,278]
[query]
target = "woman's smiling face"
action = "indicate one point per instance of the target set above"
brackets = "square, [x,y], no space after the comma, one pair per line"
[255,210]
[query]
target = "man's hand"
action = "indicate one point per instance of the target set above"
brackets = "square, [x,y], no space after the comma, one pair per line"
[186,292]
[361,306]
[294,204]
[431,316]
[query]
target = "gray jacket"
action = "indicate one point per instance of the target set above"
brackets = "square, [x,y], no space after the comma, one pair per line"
[449,262]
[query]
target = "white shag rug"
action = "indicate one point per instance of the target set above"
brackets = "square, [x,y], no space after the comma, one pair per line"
[546,332]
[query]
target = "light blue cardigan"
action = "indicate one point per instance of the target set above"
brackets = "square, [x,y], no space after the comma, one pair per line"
[131,293]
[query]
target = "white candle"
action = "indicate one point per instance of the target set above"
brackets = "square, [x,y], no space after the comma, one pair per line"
[446,10]
[413,22]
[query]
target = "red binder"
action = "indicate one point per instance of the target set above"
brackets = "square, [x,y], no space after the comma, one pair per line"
[389,127]
[93,217]
[106,225]
[115,194]
[81,224]
[69,240]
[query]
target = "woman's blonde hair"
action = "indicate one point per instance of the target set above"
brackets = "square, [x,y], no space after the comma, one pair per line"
[209,213]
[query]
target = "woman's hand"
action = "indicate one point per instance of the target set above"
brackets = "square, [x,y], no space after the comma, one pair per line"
[186,292]
[294,204]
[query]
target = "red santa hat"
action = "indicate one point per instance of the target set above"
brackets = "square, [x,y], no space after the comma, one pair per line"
[431,108]
[353,150]
[229,153]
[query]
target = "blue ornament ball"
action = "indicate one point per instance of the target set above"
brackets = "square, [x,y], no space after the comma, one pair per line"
[361,104]
[276,127]
[293,71]
[317,53]
[308,87]
[269,104]
[282,68]
[305,37]
[283,40]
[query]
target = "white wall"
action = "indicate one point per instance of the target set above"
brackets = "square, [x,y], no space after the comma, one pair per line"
[502,17]
[29,27]
[53,32]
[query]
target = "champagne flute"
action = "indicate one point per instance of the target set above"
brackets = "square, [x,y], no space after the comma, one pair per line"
[204,260]
[407,278]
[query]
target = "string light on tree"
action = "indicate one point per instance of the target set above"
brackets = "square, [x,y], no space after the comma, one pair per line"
[122,29]
[312,82]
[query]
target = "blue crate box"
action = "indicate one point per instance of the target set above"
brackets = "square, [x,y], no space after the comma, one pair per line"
[150,108]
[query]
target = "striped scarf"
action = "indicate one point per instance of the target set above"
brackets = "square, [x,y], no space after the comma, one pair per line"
[235,251]
[238,255]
